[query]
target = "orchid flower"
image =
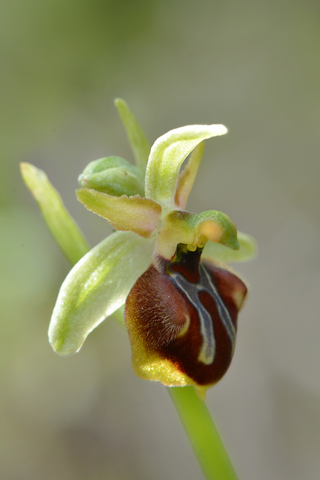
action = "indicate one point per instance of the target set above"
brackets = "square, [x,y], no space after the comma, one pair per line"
[167,266]
[164,271]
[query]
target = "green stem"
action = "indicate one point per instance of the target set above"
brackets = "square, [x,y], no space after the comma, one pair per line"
[202,434]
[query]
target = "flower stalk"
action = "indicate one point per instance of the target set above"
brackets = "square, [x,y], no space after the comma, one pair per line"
[203,434]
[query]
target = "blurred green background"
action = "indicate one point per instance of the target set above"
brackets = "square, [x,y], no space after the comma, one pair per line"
[254,66]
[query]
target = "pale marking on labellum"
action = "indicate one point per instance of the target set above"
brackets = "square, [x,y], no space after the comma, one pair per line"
[224,313]
[191,291]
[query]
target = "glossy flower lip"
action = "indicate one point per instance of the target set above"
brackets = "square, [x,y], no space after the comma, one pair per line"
[181,318]
[149,228]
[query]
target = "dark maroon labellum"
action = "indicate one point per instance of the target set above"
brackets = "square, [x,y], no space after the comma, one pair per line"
[185,311]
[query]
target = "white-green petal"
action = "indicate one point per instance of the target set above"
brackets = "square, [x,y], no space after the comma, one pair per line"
[247,250]
[167,155]
[96,287]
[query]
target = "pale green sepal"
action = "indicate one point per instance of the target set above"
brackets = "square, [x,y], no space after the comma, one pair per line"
[136,214]
[167,155]
[247,250]
[59,221]
[113,175]
[138,141]
[194,230]
[187,177]
[96,287]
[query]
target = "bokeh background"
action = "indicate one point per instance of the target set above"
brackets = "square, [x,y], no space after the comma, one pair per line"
[254,66]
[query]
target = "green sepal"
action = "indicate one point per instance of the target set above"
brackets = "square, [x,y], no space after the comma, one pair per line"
[138,141]
[194,230]
[167,155]
[113,175]
[136,214]
[187,177]
[247,250]
[59,221]
[96,287]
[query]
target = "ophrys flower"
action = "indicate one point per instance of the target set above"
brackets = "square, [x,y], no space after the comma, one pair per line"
[181,312]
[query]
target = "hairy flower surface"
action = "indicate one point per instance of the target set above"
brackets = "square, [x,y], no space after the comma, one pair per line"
[182,320]
[163,263]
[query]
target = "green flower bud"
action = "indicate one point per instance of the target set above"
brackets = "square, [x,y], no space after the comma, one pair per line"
[113,175]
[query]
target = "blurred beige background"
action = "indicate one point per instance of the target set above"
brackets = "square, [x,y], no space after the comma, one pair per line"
[254,66]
